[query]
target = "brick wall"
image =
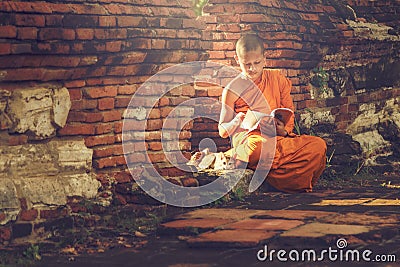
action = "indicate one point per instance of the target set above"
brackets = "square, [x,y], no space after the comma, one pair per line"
[101,51]
[352,45]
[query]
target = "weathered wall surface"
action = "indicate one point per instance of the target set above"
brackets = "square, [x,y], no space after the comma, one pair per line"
[67,72]
[343,58]
[343,62]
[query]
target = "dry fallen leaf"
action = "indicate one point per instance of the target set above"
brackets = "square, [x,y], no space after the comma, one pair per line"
[183,237]
[69,250]
[139,234]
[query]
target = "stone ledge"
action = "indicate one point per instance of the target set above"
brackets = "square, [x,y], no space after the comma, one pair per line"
[44,175]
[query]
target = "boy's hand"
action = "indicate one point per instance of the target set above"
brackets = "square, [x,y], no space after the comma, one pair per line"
[230,127]
[268,125]
[280,128]
[239,118]
[237,121]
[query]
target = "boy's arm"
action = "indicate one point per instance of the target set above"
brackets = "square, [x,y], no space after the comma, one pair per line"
[285,86]
[228,122]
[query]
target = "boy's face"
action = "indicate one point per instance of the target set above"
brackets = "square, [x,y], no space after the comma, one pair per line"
[251,63]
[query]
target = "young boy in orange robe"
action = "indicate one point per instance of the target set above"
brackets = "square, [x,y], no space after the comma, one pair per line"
[296,161]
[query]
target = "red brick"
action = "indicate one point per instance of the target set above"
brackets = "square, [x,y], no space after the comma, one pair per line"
[103,128]
[191,23]
[163,101]
[157,157]
[97,92]
[84,104]
[130,21]
[109,162]
[29,20]
[297,97]
[134,125]
[112,115]
[75,94]
[311,103]
[154,124]
[155,146]
[353,107]
[8,31]
[105,103]
[99,140]
[136,158]
[5,6]
[343,109]
[60,8]
[5,49]
[76,116]
[217,54]
[77,207]
[158,44]
[188,90]
[342,117]
[84,34]
[174,172]
[185,135]
[57,61]
[108,151]
[54,20]
[53,214]
[172,180]
[214,91]
[189,182]
[28,215]
[5,233]
[119,199]
[259,18]
[113,46]
[279,63]
[2,216]
[62,48]
[223,46]
[118,127]
[348,33]
[123,177]
[77,129]
[93,117]
[312,17]
[56,34]
[23,203]
[122,102]
[107,21]
[234,27]
[15,140]
[27,33]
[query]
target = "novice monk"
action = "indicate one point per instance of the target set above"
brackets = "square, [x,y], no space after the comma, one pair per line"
[298,161]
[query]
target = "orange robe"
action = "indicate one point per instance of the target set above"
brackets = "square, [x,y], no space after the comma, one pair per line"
[298,160]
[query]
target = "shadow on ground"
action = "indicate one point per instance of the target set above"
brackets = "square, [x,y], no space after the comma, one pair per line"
[344,217]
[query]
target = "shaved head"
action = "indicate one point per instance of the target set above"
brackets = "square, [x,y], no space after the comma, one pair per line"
[249,42]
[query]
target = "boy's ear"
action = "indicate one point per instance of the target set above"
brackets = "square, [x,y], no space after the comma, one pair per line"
[236,58]
[265,58]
